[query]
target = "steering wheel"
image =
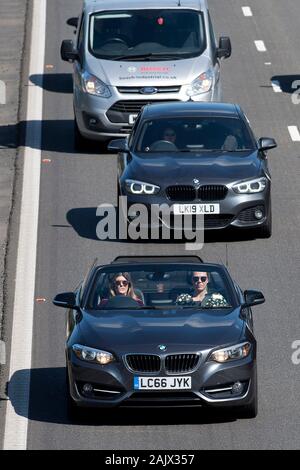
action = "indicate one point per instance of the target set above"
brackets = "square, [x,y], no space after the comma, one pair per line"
[121,301]
[117,40]
[163,145]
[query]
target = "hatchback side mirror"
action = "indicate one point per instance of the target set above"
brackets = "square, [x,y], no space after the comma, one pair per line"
[119,145]
[65,300]
[224,49]
[266,143]
[253,297]
[68,52]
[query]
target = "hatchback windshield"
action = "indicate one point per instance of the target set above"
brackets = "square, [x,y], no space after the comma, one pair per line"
[195,135]
[147,34]
[160,288]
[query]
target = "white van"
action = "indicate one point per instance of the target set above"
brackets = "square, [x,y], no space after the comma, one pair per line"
[127,55]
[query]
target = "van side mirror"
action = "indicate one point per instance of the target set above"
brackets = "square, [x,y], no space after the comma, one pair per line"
[266,143]
[73,22]
[68,52]
[253,297]
[224,49]
[119,145]
[65,300]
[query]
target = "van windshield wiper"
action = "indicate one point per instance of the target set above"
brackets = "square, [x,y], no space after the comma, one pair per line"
[148,56]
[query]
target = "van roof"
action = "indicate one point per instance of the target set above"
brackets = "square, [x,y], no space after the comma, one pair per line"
[91,6]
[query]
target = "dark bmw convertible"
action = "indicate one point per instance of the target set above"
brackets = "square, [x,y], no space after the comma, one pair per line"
[200,159]
[161,332]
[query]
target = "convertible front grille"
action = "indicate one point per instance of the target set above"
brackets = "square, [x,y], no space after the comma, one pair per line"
[143,362]
[181,363]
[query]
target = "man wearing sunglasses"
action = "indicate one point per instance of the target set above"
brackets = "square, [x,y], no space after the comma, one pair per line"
[201,295]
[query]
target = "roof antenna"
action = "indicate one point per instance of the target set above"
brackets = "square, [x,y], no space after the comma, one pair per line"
[179,3]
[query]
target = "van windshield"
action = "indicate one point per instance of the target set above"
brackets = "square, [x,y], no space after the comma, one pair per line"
[147,34]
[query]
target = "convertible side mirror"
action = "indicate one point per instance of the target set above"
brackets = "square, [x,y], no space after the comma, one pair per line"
[65,300]
[253,297]
[119,145]
[68,52]
[266,143]
[225,48]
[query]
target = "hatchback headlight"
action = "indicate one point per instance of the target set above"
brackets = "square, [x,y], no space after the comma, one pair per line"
[92,355]
[232,353]
[202,84]
[93,86]
[250,187]
[139,187]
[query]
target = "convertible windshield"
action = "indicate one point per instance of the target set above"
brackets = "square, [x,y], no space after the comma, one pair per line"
[195,134]
[160,288]
[147,34]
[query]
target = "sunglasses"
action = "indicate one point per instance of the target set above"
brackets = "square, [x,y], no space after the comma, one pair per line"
[169,135]
[121,283]
[199,279]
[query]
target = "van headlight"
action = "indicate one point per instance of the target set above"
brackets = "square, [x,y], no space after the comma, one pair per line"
[93,86]
[257,185]
[92,355]
[139,187]
[202,84]
[232,353]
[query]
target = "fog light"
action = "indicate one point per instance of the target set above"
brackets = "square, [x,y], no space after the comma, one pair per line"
[258,214]
[87,389]
[93,122]
[237,388]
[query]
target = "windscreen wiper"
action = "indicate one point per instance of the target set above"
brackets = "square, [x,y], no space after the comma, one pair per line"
[148,56]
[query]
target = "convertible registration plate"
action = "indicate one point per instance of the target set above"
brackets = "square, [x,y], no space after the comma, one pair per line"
[162,383]
[196,209]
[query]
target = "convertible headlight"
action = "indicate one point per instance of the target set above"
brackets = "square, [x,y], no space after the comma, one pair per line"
[250,187]
[232,353]
[92,355]
[202,84]
[139,187]
[93,86]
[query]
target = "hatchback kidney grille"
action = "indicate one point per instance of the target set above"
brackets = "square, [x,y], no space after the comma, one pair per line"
[190,193]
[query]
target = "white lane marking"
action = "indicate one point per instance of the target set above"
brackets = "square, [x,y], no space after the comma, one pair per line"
[16,424]
[247,11]
[294,133]
[260,46]
[276,86]
[2,353]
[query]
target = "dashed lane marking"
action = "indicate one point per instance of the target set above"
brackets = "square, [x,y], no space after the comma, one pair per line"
[260,46]
[294,133]
[247,11]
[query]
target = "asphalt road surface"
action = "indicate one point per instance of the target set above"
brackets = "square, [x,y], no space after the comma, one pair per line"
[73,185]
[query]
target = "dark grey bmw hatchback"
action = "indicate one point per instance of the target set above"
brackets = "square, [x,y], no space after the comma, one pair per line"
[199,159]
[168,331]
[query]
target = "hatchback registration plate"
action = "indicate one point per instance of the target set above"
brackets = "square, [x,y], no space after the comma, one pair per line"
[196,209]
[162,383]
